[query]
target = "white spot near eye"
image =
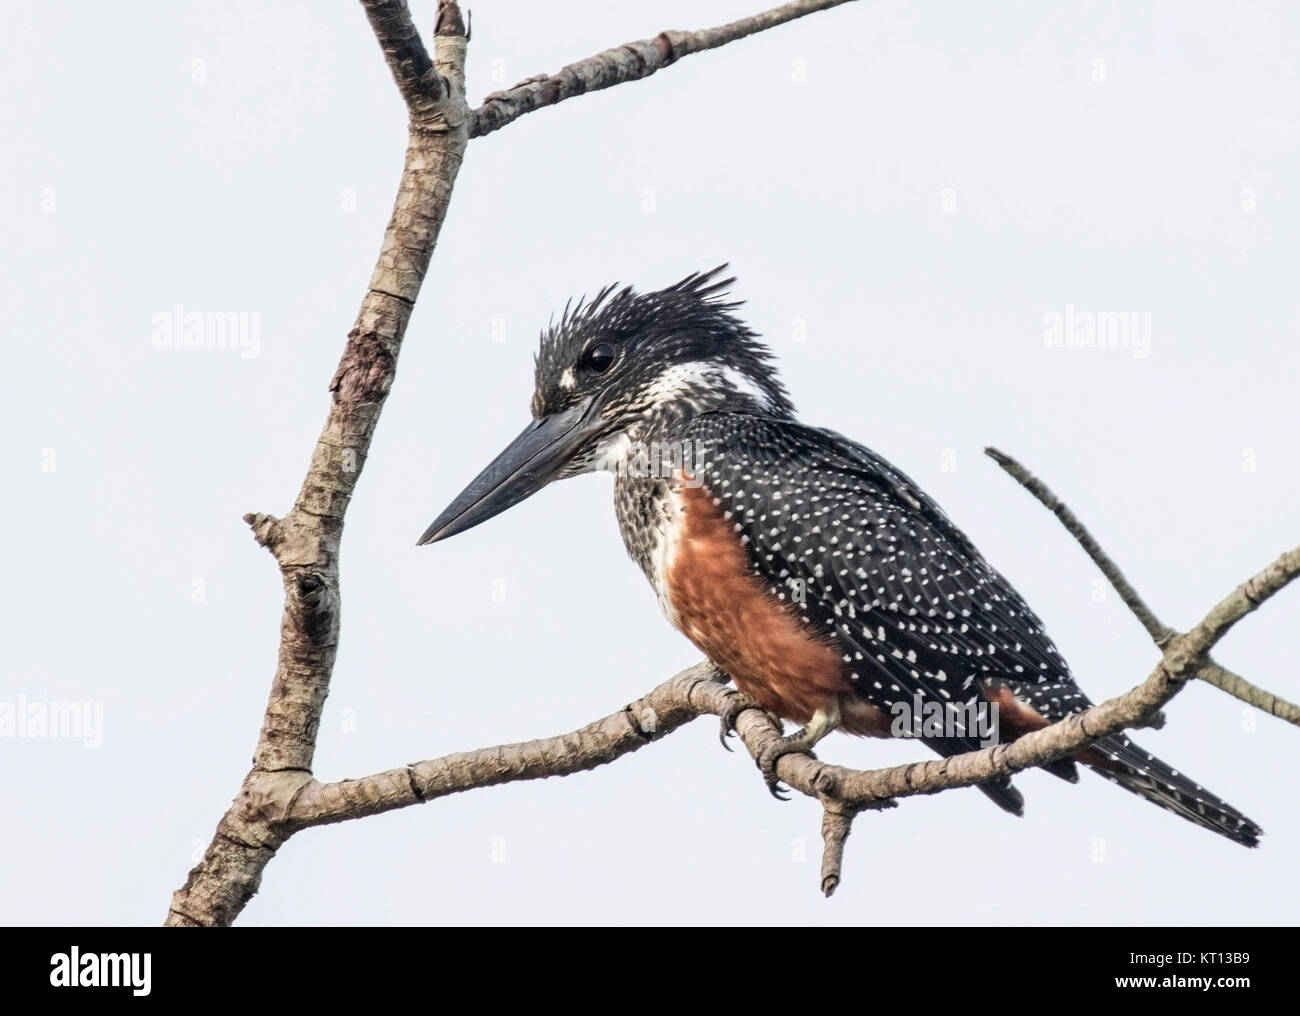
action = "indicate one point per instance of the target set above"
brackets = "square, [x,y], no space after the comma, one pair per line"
[567,380]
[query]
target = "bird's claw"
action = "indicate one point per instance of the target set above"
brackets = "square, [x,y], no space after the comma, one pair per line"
[791,744]
[736,705]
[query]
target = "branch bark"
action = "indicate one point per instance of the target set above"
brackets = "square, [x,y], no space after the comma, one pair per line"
[837,823]
[628,62]
[1239,688]
[305,542]
[677,701]
[420,84]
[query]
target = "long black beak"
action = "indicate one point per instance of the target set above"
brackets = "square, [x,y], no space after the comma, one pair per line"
[532,460]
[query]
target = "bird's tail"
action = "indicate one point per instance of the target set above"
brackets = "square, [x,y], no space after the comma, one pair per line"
[1121,761]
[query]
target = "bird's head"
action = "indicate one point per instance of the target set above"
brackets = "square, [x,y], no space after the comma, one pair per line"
[611,370]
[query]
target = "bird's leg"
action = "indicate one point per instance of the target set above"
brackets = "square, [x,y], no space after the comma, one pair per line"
[823,721]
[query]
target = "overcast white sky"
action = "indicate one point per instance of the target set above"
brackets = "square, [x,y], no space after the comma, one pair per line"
[906,194]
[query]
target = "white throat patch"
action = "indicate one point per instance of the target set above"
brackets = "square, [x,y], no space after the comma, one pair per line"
[611,453]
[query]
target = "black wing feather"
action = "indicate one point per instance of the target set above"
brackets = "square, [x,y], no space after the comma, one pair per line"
[889,579]
[874,564]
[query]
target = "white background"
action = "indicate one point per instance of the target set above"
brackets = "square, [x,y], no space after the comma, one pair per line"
[910,191]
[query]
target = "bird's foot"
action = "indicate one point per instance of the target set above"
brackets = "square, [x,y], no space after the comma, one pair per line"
[800,742]
[736,705]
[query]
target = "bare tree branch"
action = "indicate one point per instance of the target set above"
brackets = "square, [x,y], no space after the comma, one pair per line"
[698,690]
[1239,687]
[628,62]
[634,726]
[1209,671]
[1160,633]
[305,542]
[837,823]
[404,50]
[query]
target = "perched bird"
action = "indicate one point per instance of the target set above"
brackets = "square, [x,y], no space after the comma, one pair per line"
[829,587]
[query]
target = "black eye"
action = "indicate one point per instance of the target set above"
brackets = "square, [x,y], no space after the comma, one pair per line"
[599,357]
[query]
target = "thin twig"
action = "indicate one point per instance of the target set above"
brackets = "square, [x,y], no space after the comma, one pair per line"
[628,62]
[1160,633]
[1238,687]
[1209,671]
